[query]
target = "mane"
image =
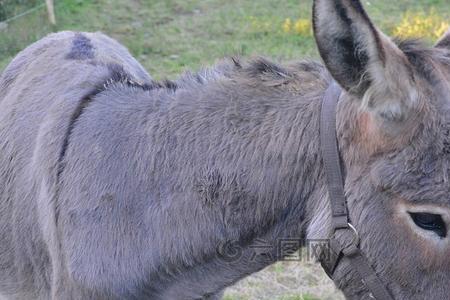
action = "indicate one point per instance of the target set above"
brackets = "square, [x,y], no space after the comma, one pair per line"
[255,72]
[306,77]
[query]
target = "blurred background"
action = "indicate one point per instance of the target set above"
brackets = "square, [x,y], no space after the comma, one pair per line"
[169,36]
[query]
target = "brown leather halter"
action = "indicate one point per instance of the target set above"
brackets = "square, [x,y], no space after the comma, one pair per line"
[340,220]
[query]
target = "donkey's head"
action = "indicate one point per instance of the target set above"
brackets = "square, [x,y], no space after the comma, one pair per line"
[394,136]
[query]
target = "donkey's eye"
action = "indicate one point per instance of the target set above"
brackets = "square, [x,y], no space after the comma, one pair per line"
[430,222]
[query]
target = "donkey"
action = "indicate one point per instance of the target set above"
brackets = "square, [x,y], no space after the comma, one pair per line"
[115,186]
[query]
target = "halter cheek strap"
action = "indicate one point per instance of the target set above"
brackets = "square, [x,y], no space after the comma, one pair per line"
[339,213]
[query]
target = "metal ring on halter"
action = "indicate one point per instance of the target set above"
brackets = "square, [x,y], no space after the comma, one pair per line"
[353,245]
[356,238]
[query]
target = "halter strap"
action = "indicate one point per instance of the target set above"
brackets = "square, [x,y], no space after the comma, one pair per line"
[339,212]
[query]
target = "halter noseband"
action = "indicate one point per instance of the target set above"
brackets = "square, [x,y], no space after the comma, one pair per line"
[340,220]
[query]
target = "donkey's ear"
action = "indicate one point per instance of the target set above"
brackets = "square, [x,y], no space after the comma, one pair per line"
[360,57]
[444,42]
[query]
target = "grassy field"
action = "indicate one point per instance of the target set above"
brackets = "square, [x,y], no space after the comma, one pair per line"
[169,36]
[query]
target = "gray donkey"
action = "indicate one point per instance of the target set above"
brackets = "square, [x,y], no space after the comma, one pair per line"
[115,186]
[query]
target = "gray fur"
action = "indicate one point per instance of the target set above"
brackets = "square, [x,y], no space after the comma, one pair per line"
[114,186]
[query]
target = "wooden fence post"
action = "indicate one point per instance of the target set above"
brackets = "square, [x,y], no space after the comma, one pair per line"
[51,11]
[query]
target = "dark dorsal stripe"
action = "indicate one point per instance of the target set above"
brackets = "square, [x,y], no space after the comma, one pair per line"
[82,48]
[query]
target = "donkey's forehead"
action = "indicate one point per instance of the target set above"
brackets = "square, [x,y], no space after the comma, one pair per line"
[432,64]
[425,59]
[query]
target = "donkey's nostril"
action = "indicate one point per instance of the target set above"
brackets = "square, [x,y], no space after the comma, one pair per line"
[430,222]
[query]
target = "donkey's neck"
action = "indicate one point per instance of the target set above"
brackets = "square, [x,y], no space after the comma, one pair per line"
[232,158]
[248,147]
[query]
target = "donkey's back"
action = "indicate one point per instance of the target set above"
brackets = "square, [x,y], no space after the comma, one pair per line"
[41,93]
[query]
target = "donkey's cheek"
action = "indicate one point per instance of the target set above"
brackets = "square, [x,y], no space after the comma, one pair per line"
[434,258]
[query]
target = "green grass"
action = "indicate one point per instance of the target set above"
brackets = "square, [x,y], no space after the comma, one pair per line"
[287,297]
[169,36]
